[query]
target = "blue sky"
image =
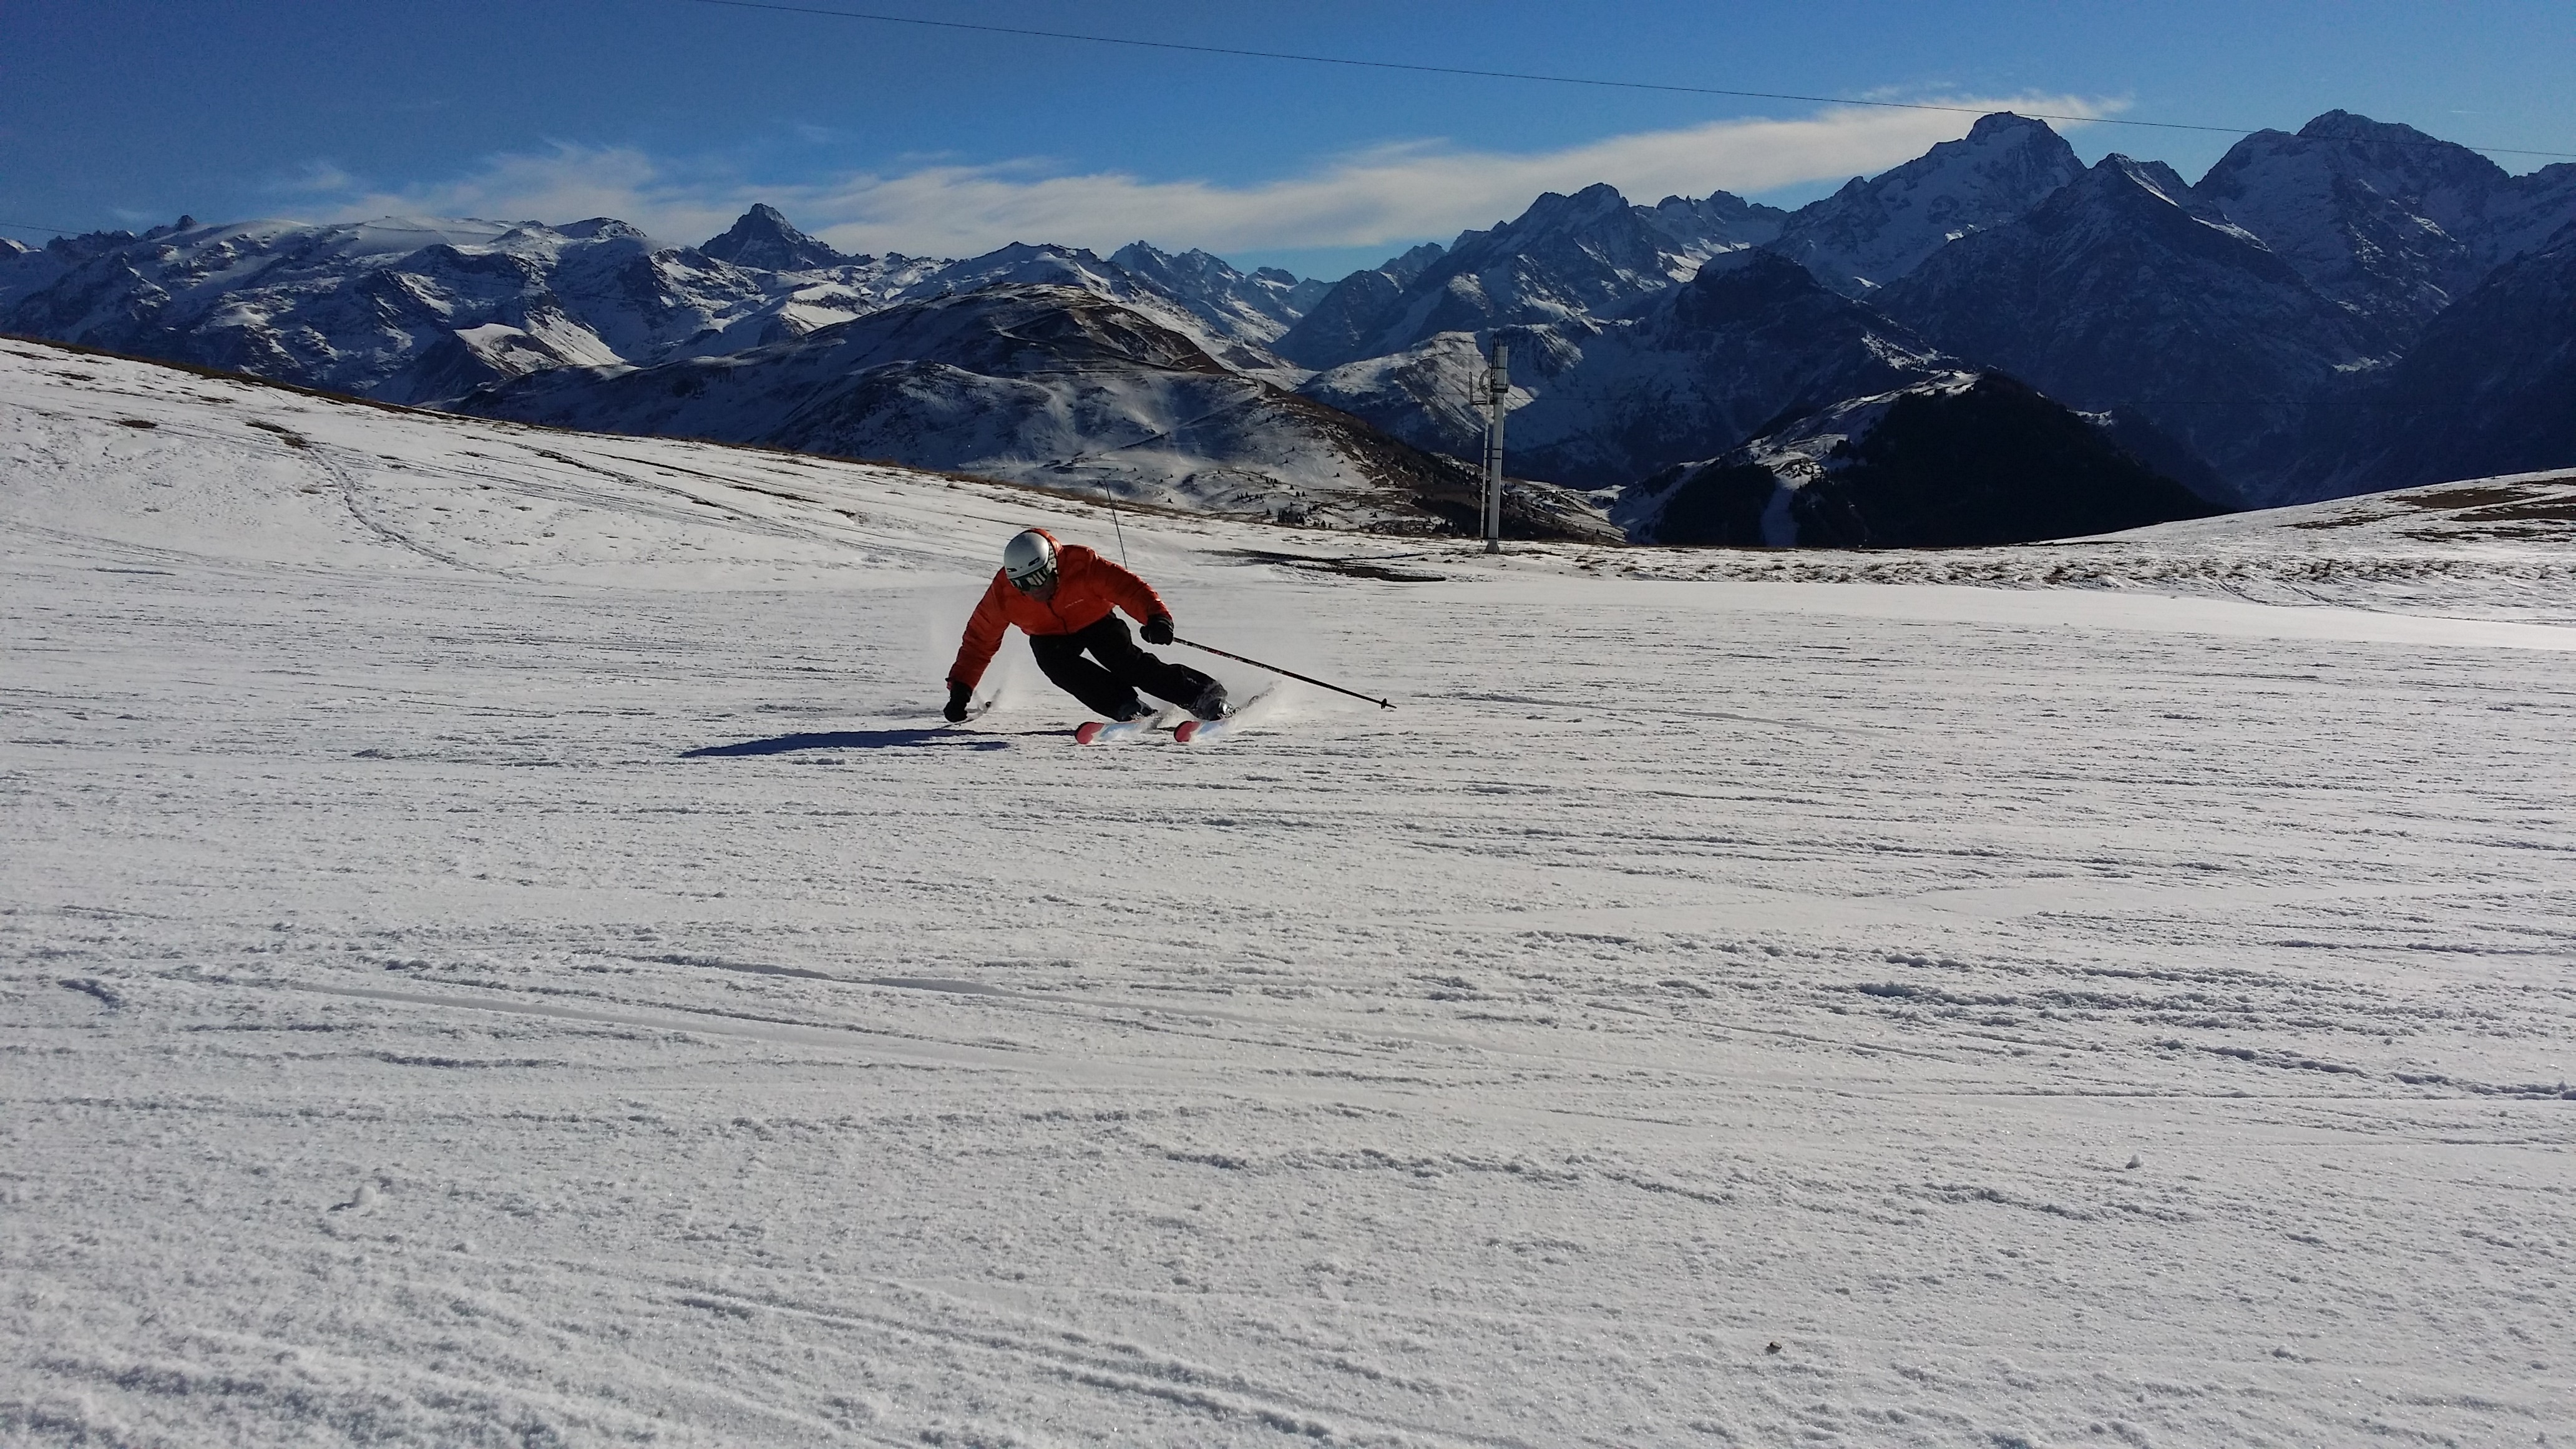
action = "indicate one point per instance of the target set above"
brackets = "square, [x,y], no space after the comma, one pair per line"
[676,114]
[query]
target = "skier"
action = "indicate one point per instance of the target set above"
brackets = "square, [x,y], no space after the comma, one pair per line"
[1063,596]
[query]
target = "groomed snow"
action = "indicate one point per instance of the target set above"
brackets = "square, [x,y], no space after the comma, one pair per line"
[496,951]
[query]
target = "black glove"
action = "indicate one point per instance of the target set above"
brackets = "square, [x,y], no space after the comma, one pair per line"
[958,694]
[1158,629]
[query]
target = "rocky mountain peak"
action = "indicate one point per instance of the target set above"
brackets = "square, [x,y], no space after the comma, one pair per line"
[2003,125]
[2382,218]
[2152,177]
[1151,262]
[2346,126]
[1587,254]
[597,228]
[763,238]
[2449,184]
[1551,218]
[1252,308]
[1038,254]
[1554,211]
[2121,191]
[1403,269]
[1879,228]
[1742,284]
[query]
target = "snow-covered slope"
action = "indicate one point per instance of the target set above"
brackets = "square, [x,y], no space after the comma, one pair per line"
[1695,371]
[1584,255]
[1877,229]
[2126,290]
[2508,519]
[117,459]
[1041,384]
[2482,548]
[496,951]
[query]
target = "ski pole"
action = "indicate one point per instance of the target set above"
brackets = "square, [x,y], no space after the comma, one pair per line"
[1275,669]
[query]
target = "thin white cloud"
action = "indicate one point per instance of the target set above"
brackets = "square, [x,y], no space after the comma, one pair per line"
[1381,195]
[321,178]
[564,182]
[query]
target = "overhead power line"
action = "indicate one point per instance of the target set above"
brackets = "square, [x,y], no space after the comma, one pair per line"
[36,227]
[1563,80]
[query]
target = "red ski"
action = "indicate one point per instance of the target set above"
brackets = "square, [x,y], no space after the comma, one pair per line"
[1106,732]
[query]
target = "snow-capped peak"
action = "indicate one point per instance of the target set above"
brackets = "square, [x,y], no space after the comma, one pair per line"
[1255,307]
[2153,177]
[1877,229]
[2346,126]
[763,238]
[2390,222]
[1587,254]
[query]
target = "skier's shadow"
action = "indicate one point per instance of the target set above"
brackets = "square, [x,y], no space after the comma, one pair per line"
[912,739]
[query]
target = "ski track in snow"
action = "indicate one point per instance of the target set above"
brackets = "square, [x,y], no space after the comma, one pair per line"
[497,948]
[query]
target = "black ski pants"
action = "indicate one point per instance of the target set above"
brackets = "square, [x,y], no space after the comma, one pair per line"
[1109,686]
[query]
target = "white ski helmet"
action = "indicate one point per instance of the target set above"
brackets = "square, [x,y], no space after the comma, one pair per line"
[1028,560]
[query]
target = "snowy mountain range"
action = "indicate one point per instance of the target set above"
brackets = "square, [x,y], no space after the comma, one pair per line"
[418,311]
[1050,385]
[1566,258]
[2384,219]
[1696,369]
[1877,229]
[2170,309]
[2251,332]
[2296,325]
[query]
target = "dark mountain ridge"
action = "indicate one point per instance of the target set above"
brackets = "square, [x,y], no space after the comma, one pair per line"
[2125,289]
[1952,461]
[2489,389]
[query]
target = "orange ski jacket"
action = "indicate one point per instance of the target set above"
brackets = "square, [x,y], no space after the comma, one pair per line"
[1087,588]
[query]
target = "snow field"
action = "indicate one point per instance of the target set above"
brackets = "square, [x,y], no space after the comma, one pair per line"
[497,949]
